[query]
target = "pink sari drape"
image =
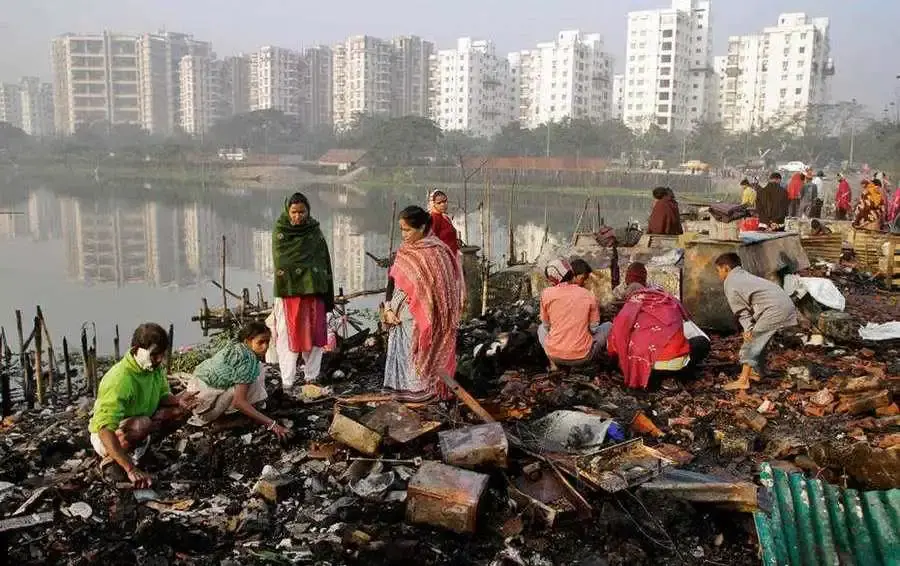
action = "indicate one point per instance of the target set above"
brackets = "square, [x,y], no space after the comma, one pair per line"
[306,322]
[429,275]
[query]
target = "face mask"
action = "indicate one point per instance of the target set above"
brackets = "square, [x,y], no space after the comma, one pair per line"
[143,358]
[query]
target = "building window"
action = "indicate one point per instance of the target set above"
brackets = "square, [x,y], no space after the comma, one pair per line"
[665,59]
[665,83]
[667,46]
[667,33]
[798,92]
[662,108]
[783,92]
[662,121]
[802,50]
[664,96]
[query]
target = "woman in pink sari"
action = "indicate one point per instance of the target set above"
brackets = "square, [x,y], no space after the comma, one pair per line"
[423,312]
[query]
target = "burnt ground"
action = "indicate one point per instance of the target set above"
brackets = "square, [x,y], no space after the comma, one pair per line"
[828,411]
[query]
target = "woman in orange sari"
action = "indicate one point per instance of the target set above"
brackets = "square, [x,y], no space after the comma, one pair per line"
[870,211]
[422,312]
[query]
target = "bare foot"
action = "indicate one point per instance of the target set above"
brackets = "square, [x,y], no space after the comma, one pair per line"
[737,385]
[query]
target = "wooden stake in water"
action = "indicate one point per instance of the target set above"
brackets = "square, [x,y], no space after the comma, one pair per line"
[116,342]
[68,368]
[169,349]
[86,361]
[5,391]
[51,355]
[22,353]
[224,288]
[38,370]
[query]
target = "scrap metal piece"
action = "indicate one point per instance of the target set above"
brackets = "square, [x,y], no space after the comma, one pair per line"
[475,446]
[25,521]
[445,496]
[347,431]
[619,467]
[700,488]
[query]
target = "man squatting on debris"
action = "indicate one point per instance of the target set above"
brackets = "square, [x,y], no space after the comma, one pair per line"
[134,401]
[762,308]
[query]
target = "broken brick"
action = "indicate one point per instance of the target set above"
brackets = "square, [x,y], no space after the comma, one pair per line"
[889,441]
[751,419]
[679,455]
[273,490]
[867,353]
[861,384]
[889,411]
[822,398]
[813,410]
[863,403]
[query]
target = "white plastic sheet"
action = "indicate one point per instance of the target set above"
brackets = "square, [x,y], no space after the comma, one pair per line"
[886,331]
[822,290]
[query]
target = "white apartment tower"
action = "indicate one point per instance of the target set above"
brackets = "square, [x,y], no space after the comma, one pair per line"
[275,80]
[317,87]
[11,104]
[95,78]
[197,94]
[159,58]
[669,67]
[618,94]
[570,77]
[774,77]
[363,79]
[411,61]
[37,107]
[471,89]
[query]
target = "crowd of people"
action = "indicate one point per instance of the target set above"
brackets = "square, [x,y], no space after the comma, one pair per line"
[802,196]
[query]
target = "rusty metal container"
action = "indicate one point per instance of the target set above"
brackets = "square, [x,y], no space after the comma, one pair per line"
[475,446]
[444,496]
[356,436]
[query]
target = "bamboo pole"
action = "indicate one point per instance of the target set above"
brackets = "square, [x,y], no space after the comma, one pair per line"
[68,367]
[5,390]
[511,250]
[29,378]
[51,355]
[587,202]
[38,370]
[116,342]
[224,288]
[93,355]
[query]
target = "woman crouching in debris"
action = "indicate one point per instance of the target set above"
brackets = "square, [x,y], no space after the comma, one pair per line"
[134,401]
[570,330]
[233,380]
[304,291]
[762,308]
[422,311]
[653,336]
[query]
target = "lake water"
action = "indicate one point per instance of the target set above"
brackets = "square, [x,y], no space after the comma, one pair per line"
[132,254]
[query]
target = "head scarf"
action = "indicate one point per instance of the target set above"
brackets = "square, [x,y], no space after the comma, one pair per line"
[636,273]
[302,261]
[557,270]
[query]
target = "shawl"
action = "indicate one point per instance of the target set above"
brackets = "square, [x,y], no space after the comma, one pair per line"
[844,196]
[795,187]
[442,227]
[233,364]
[647,322]
[302,261]
[771,204]
[870,210]
[665,218]
[429,275]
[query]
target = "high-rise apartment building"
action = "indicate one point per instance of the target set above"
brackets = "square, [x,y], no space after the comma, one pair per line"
[36,105]
[95,79]
[618,94]
[275,80]
[411,60]
[669,67]
[197,94]
[11,104]
[470,89]
[159,60]
[570,77]
[317,87]
[363,79]
[774,77]
[236,84]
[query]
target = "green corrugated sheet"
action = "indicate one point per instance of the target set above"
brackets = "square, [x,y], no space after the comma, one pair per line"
[812,523]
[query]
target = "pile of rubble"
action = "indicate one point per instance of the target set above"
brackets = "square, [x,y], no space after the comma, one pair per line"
[544,469]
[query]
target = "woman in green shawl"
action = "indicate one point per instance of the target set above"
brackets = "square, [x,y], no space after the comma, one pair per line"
[304,292]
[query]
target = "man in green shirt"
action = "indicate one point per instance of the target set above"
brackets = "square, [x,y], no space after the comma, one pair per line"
[134,401]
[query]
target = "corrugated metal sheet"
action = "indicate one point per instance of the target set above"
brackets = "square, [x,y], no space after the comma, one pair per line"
[813,523]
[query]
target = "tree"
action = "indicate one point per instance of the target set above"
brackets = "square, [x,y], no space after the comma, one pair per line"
[11,137]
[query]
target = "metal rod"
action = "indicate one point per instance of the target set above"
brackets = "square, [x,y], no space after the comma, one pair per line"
[170,348]
[224,287]
[86,360]
[116,349]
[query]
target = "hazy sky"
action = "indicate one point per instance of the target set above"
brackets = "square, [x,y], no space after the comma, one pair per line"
[864,38]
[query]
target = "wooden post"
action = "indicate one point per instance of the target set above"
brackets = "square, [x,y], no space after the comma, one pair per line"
[51,355]
[93,354]
[580,219]
[511,251]
[29,378]
[22,353]
[38,370]
[68,367]
[86,360]
[116,342]
[224,291]
[169,349]
[5,390]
